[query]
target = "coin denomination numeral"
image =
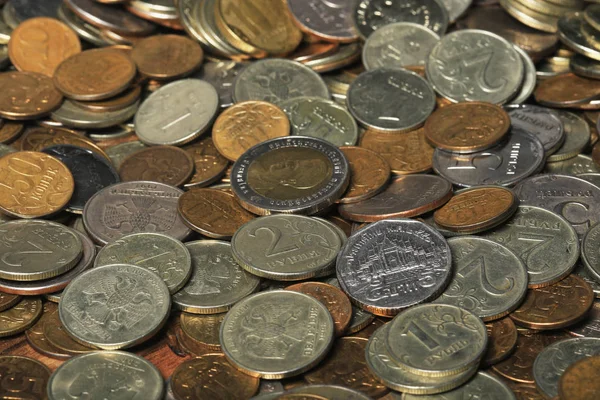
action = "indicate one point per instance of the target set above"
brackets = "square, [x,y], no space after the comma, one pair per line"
[420,334]
[482,61]
[479,264]
[537,241]
[274,248]
[12,258]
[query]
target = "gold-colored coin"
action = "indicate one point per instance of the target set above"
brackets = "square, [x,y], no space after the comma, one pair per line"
[55,333]
[20,317]
[10,131]
[27,95]
[36,338]
[39,138]
[203,329]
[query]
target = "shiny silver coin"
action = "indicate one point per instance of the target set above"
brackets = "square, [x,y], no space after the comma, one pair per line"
[456,8]
[482,383]
[529,77]
[325,19]
[86,31]
[221,75]
[577,136]
[539,121]
[578,35]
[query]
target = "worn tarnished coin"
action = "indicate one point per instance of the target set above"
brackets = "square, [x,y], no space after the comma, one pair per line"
[23,378]
[416,337]
[484,383]
[405,196]
[221,74]
[465,54]
[217,281]
[209,164]
[583,272]
[324,19]
[203,329]
[467,127]
[165,164]
[10,131]
[36,338]
[529,77]
[211,376]
[542,122]
[56,335]
[8,300]
[557,306]
[27,95]
[488,279]
[277,334]
[71,115]
[35,249]
[566,90]
[167,56]
[20,317]
[121,151]
[114,373]
[578,35]
[177,113]
[502,340]
[115,306]
[161,254]
[394,264]
[577,136]
[580,380]
[290,175]
[39,138]
[286,247]
[369,173]
[110,18]
[580,164]
[370,101]
[116,103]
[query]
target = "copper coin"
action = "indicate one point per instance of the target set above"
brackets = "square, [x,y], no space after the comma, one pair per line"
[10,131]
[8,300]
[210,164]
[212,212]
[556,306]
[36,338]
[369,173]
[502,340]
[346,366]
[581,380]
[211,376]
[189,345]
[23,378]
[95,74]
[119,102]
[167,56]
[567,90]
[41,44]
[247,124]
[477,209]
[27,95]
[334,299]
[519,366]
[164,164]
[39,138]
[467,127]
[407,153]
[203,328]
[341,223]
[34,184]
[522,391]
[20,317]
[55,333]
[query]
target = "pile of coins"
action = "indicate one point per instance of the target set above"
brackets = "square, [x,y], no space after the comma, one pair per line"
[299,199]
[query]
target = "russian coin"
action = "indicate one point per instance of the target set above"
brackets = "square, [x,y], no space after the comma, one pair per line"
[23,377]
[390,100]
[589,254]
[290,175]
[303,338]
[115,306]
[40,138]
[584,273]
[584,66]
[209,164]
[460,334]
[586,370]
[275,80]
[502,340]
[121,151]
[329,392]
[110,18]
[394,264]
[20,317]
[529,17]
[360,318]
[70,114]
[165,164]
[203,330]
[217,281]
[493,388]
[578,35]
[326,20]
[36,249]
[577,136]
[462,52]
[10,131]
[8,300]
[177,113]
[566,90]
[165,57]
[128,97]
[128,374]
[546,242]
[529,77]
[504,164]
[221,75]
[540,121]
[286,247]
[401,199]
[369,174]
[83,29]
[577,165]
[55,334]
[32,95]
[133,207]
[36,338]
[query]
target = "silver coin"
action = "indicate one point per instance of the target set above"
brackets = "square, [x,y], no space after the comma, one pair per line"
[393,264]
[592,178]
[488,279]
[546,242]
[115,306]
[456,8]
[475,65]
[166,257]
[106,17]
[583,272]
[114,132]
[6,149]
[575,166]
[321,118]
[577,136]
[584,66]
[370,15]
[85,31]
[529,77]
[204,13]
[177,113]
[327,19]
[286,247]
[576,200]
[276,334]
[123,150]
[390,100]
[217,281]
[360,318]
[221,75]
[26,9]
[483,384]
[539,121]
[106,375]
[520,156]
[578,35]
[71,115]
[329,392]
[590,251]
[590,326]
[552,362]
[398,45]
[133,207]
[275,80]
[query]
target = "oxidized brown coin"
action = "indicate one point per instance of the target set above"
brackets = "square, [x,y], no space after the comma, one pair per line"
[334,299]
[203,328]
[369,173]
[556,306]
[407,153]
[167,56]
[39,138]
[55,333]
[33,184]
[27,95]
[8,300]
[41,44]
[247,124]
[346,366]
[596,154]
[477,209]
[10,131]
[210,164]
[211,376]
[581,380]
[164,164]
[119,102]
[36,338]
[20,317]
[519,366]
[523,391]
[566,90]
[23,378]
[212,212]
[467,127]
[502,340]
[95,74]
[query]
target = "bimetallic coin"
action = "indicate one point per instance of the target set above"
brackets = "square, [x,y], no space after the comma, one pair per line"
[493,388]
[577,136]
[202,330]
[115,306]
[394,264]
[23,378]
[502,340]
[122,373]
[273,356]
[390,100]
[369,174]
[221,75]
[217,281]
[586,370]
[20,317]
[540,121]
